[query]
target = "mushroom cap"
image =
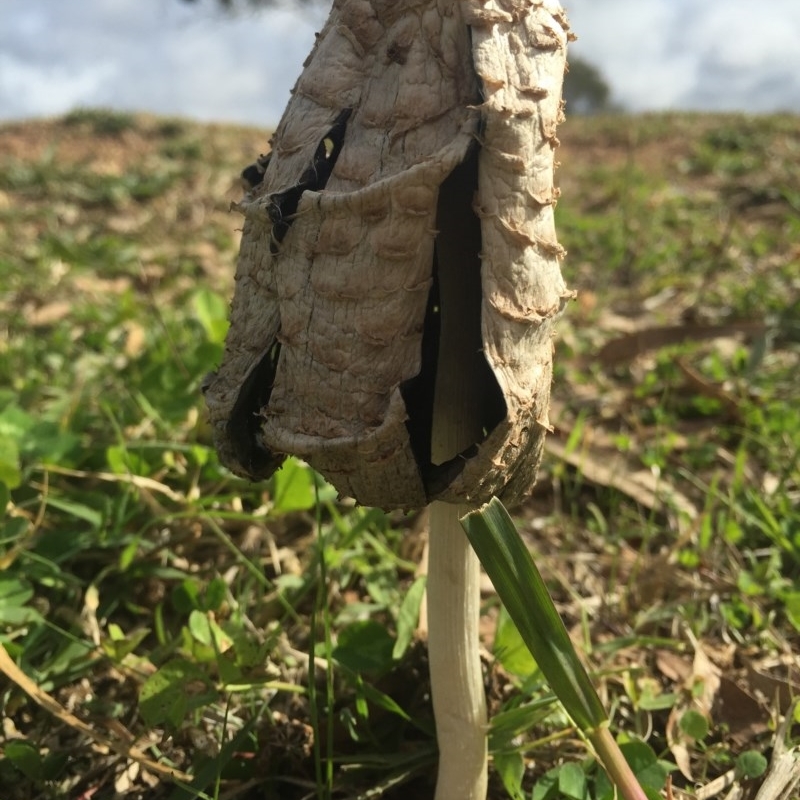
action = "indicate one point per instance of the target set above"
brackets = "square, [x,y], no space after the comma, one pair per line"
[418,132]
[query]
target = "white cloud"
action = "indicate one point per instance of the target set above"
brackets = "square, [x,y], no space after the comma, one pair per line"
[192,59]
[748,58]
[630,43]
[714,55]
[28,89]
[741,36]
[163,56]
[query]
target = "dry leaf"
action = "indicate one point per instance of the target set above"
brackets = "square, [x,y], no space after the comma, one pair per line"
[126,780]
[44,316]
[610,468]
[743,715]
[706,675]
[626,348]
[708,388]
[673,666]
[700,682]
[776,677]
[134,339]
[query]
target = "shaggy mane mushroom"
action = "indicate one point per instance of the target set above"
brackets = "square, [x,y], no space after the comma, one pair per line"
[396,291]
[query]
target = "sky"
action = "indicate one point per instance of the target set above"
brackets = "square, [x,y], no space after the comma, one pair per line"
[195,60]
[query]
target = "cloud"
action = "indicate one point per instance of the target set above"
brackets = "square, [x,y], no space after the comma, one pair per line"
[28,89]
[748,59]
[195,60]
[162,56]
[715,55]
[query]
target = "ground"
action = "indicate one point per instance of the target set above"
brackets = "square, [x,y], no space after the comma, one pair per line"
[157,613]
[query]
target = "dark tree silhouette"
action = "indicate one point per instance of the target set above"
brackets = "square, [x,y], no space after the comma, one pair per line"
[585,89]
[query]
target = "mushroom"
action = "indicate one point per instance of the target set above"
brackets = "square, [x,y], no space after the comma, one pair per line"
[396,291]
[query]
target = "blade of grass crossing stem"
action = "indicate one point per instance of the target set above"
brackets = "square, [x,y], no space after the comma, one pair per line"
[519,584]
[508,563]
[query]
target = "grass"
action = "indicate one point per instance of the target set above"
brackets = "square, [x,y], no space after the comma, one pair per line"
[172,608]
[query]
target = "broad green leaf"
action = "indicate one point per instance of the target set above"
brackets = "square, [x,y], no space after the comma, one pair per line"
[229,671]
[247,651]
[206,631]
[694,724]
[118,645]
[524,594]
[792,605]
[10,473]
[49,444]
[53,764]
[19,615]
[14,528]
[186,596]
[408,617]
[212,313]
[654,700]
[293,487]
[115,633]
[751,764]
[14,596]
[546,787]
[364,647]
[25,757]
[511,769]
[215,594]
[510,649]
[122,461]
[572,781]
[174,690]
[35,439]
[14,422]
[14,591]
[162,701]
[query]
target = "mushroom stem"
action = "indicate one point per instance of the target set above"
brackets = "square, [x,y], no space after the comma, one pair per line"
[459,702]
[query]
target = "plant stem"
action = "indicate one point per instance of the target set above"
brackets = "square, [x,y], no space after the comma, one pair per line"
[459,702]
[616,766]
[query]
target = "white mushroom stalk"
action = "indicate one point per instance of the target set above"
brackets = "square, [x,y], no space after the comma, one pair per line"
[459,700]
[453,587]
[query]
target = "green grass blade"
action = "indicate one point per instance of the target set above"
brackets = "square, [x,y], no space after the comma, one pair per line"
[520,586]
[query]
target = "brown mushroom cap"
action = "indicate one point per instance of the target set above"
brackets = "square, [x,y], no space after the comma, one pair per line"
[410,141]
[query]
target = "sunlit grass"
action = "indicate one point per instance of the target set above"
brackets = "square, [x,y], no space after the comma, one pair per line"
[155,595]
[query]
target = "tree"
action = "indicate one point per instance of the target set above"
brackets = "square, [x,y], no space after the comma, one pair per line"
[585,89]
